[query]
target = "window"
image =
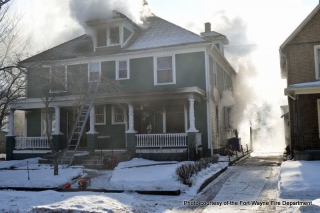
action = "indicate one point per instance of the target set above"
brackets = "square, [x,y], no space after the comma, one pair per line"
[114,36]
[317,60]
[100,115]
[58,79]
[118,115]
[122,71]
[94,71]
[102,37]
[164,70]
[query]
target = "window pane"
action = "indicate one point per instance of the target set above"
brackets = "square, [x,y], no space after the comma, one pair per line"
[102,38]
[94,76]
[99,109]
[164,63]
[114,35]
[99,119]
[165,76]
[58,80]
[122,65]
[119,117]
[123,74]
[94,67]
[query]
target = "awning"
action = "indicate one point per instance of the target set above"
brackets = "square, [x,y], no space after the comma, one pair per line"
[303,88]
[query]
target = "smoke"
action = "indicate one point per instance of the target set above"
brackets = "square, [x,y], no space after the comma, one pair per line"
[97,10]
[257,95]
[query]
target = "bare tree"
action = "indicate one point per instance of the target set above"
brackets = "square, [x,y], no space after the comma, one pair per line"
[53,82]
[12,74]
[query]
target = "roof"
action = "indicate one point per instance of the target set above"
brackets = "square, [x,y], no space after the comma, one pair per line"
[303,88]
[297,30]
[160,33]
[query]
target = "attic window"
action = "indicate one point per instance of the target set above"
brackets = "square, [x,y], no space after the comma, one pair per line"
[114,36]
[102,38]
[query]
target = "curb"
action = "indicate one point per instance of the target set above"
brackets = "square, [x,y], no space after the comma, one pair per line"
[216,175]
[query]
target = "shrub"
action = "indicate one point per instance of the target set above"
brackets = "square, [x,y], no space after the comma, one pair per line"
[185,171]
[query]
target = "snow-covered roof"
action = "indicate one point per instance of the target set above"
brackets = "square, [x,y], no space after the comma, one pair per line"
[159,33]
[305,85]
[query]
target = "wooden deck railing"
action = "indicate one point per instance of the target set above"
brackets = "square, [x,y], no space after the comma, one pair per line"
[162,140]
[31,143]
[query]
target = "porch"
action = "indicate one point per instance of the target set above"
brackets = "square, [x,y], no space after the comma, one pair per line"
[160,122]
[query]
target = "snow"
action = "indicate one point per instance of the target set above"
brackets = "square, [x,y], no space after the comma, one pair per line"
[305,84]
[137,174]
[298,179]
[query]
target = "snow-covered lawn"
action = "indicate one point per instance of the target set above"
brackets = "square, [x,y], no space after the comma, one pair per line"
[137,174]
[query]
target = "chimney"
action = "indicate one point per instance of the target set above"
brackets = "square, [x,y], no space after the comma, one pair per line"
[207,27]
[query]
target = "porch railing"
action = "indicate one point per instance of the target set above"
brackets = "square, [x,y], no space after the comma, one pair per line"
[162,140]
[31,143]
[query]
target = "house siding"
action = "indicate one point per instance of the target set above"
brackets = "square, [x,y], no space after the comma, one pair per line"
[115,131]
[34,123]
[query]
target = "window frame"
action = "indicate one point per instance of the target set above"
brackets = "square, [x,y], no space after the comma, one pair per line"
[114,117]
[51,120]
[65,80]
[99,72]
[109,33]
[104,115]
[155,69]
[317,61]
[117,69]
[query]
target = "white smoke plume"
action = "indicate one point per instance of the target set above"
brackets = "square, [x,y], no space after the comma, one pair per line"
[258,91]
[95,10]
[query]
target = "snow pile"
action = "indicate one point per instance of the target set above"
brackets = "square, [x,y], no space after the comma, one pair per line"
[298,180]
[18,163]
[139,174]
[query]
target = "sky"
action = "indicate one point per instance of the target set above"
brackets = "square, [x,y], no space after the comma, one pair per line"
[255,30]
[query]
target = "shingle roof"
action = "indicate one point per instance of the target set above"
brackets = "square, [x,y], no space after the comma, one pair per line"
[160,33]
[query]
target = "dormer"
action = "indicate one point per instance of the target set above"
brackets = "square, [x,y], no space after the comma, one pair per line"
[112,33]
[217,39]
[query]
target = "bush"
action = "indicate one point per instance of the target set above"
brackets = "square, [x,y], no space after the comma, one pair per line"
[186,171]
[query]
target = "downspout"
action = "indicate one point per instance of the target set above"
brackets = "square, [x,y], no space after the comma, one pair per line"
[297,123]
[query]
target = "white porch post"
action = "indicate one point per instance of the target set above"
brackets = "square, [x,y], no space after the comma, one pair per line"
[11,123]
[57,120]
[131,120]
[92,120]
[192,127]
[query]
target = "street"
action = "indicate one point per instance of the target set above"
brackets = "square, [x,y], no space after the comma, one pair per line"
[249,186]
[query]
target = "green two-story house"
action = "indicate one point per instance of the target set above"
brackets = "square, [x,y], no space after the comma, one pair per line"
[167,102]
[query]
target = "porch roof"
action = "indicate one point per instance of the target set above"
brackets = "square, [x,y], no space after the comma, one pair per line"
[303,88]
[122,97]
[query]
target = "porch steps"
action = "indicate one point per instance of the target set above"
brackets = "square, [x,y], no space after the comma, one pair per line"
[78,129]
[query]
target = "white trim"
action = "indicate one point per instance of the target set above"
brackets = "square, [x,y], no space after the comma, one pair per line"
[155,70]
[88,64]
[318,109]
[185,110]
[208,94]
[164,120]
[144,53]
[104,115]
[117,69]
[33,151]
[128,39]
[317,60]
[113,116]
[65,79]
[166,150]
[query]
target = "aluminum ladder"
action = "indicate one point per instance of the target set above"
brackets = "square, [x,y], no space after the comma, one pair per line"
[82,118]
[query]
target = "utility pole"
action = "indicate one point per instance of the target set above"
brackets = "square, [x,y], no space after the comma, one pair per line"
[2,2]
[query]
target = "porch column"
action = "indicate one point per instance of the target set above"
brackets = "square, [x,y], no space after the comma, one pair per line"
[192,127]
[57,120]
[92,120]
[131,120]
[11,123]
[92,134]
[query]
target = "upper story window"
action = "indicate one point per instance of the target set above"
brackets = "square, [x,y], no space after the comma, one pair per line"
[317,60]
[164,71]
[58,78]
[94,72]
[114,36]
[122,71]
[100,113]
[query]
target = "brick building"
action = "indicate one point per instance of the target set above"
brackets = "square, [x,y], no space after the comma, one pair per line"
[300,58]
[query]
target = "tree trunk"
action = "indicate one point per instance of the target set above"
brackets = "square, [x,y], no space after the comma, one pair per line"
[55,166]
